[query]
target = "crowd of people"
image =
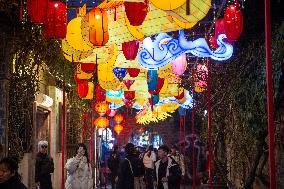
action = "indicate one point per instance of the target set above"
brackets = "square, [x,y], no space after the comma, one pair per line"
[152,169]
[161,168]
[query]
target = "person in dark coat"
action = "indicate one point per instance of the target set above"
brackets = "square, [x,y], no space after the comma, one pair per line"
[167,171]
[113,165]
[44,167]
[9,176]
[129,168]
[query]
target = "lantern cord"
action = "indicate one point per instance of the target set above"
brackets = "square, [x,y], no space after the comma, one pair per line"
[180,131]
[184,136]
[91,138]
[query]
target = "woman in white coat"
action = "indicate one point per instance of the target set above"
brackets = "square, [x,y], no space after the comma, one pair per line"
[79,170]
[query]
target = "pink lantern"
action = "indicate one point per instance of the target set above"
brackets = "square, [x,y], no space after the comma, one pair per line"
[179,65]
[111,112]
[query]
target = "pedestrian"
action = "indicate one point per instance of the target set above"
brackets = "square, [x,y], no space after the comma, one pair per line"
[113,165]
[167,174]
[131,170]
[9,176]
[44,166]
[149,159]
[179,158]
[79,170]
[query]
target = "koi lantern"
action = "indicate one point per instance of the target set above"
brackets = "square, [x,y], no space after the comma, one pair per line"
[55,22]
[130,49]
[233,19]
[101,107]
[37,10]
[118,118]
[101,122]
[118,128]
[136,12]
[98,27]
[179,64]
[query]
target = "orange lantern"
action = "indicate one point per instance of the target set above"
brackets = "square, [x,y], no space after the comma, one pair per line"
[118,128]
[101,122]
[101,107]
[118,118]
[98,26]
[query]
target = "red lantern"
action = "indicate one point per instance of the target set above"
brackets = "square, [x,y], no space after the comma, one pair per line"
[100,93]
[55,23]
[118,128]
[130,49]
[129,95]
[128,83]
[233,22]
[37,10]
[133,72]
[159,86]
[118,118]
[213,41]
[83,89]
[136,12]
[101,122]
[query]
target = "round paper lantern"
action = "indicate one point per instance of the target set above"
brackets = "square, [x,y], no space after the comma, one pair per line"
[233,19]
[130,49]
[37,10]
[129,95]
[118,118]
[83,89]
[136,12]
[167,4]
[133,72]
[118,128]
[55,23]
[101,122]
[101,107]
[97,27]
[179,64]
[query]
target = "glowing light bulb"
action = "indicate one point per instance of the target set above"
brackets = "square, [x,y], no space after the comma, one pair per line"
[98,16]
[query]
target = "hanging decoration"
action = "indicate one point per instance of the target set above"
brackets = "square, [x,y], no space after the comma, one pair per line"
[84,71]
[133,72]
[129,95]
[100,93]
[152,79]
[233,19]
[101,122]
[85,89]
[101,107]
[111,112]
[130,49]
[120,73]
[156,55]
[128,83]
[118,128]
[37,10]
[200,78]
[136,12]
[95,27]
[118,118]
[55,21]
[158,88]
[179,64]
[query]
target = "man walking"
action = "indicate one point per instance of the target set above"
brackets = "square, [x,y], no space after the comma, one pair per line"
[167,170]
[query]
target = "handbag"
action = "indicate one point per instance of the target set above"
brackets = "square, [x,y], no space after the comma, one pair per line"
[139,182]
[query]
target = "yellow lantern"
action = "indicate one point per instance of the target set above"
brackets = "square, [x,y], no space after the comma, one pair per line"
[118,118]
[118,128]
[167,4]
[101,107]
[101,122]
